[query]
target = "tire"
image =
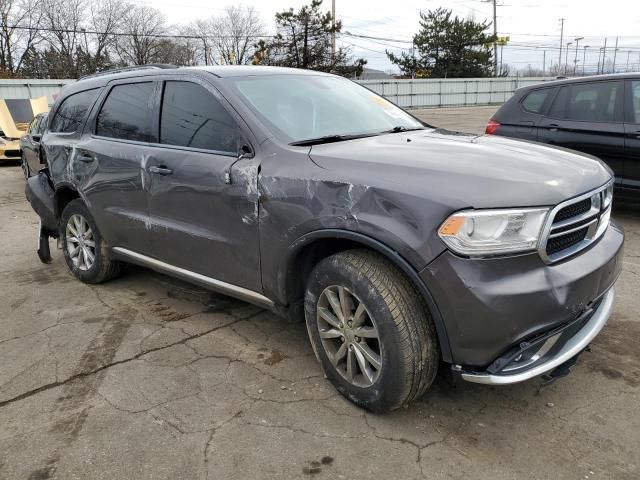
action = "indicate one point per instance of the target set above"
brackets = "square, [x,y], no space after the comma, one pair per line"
[406,348]
[26,171]
[102,268]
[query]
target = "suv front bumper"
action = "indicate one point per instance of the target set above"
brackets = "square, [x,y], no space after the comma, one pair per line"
[541,359]
[493,307]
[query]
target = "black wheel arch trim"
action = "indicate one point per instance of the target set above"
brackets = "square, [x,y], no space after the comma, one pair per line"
[387,252]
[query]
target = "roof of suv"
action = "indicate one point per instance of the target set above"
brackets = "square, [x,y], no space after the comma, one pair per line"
[591,78]
[222,71]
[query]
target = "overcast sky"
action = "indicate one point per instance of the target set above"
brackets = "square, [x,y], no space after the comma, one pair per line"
[526,22]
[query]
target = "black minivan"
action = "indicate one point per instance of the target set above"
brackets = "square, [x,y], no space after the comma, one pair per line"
[598,115]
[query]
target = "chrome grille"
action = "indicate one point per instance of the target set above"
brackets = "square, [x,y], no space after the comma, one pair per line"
[575,224]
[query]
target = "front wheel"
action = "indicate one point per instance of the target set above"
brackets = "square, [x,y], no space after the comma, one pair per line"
[84,250]
[370,330]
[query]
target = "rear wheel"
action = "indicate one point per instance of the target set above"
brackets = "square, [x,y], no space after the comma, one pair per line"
[370,330]
[84,250]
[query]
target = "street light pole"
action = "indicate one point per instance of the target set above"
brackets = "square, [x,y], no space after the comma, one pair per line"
[575,60]
[566,57]
[584,58]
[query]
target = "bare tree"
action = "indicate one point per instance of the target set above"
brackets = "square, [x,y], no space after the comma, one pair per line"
[62,20]
[19,32]
[143,25]
[105,19]
[229,38]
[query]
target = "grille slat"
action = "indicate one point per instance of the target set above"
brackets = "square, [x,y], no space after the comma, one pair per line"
[574,226]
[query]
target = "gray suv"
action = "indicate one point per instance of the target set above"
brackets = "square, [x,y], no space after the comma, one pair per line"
[403,246]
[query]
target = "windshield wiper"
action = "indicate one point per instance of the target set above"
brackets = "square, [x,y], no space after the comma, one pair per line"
[330,139]
[400,128]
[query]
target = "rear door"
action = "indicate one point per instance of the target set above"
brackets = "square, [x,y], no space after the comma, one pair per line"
[520,119]
[203,198]
[632,135]
[111,158]
[588,117]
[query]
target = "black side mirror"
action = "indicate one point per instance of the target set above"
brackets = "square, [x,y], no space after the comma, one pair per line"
[245,151]
[36,138]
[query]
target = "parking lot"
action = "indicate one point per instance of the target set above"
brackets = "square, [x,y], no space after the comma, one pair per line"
[146,377]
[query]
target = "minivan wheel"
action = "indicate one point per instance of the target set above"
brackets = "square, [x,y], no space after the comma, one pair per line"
[370,330]
[84,250]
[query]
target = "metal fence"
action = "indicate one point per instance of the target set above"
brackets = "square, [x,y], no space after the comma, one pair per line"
[31,88]
[406,93]
[449,92]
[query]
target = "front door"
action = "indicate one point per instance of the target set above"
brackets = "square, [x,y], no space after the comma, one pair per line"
[204,212]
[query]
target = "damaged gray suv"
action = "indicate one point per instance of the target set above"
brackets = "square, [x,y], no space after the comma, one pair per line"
[403,246]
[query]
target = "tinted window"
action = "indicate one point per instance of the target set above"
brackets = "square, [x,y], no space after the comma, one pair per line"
[535,100]
[594,102]
[126,113]
[635,96]
[192,117]
[70,115]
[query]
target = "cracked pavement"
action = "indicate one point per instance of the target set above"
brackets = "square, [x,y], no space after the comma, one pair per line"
[147,377]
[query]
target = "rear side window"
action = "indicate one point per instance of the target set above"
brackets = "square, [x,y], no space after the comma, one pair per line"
[126,113]
[534,101]
[192,117]
[71,114]
[595,102]
[635,100]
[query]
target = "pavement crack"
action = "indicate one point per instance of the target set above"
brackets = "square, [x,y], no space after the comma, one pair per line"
[91,372]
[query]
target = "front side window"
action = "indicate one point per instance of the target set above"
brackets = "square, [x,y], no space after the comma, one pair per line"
[192,117]
[71,114]
[126,113]
[534,102]
[595,102]
[635,99]
[301,107]
[42,125]
[33,126]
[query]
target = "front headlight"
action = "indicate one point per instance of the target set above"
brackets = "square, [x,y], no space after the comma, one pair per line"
[493,232]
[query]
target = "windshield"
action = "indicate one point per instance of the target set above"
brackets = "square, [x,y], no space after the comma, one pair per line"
[303,107]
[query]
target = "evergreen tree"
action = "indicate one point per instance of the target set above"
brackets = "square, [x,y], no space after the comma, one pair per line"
[448,46]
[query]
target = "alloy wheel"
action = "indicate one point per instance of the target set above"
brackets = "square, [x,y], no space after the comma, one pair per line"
[81,245]
[349,336]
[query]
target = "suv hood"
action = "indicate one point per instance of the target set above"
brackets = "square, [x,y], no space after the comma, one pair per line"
[463,170]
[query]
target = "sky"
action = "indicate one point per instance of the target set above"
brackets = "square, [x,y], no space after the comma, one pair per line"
[533,26]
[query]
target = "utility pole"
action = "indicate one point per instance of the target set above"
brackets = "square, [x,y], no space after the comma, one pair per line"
[561,39]
[615,54]
[495,38]
[566,57]
[628,57]
[584,59]
[333,31]
[544,62]
[575,60]
[604,53]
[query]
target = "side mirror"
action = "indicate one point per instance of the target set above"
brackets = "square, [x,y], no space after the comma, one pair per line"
[36,138]
[245,152]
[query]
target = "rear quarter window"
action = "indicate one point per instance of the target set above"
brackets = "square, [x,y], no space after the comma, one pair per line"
[535,100]
[72,112]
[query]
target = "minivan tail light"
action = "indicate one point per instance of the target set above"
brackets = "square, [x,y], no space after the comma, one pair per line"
[492,126]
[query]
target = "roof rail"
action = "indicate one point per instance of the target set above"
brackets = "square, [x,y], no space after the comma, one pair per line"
[128,69]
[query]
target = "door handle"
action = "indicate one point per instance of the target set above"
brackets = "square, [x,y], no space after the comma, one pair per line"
[160,170]
[85,157]
[553,127]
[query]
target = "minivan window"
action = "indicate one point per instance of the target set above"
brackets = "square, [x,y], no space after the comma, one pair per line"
[71,113]
[534,102]
[594,102]
[126,113]
[635,96]
[192,117]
